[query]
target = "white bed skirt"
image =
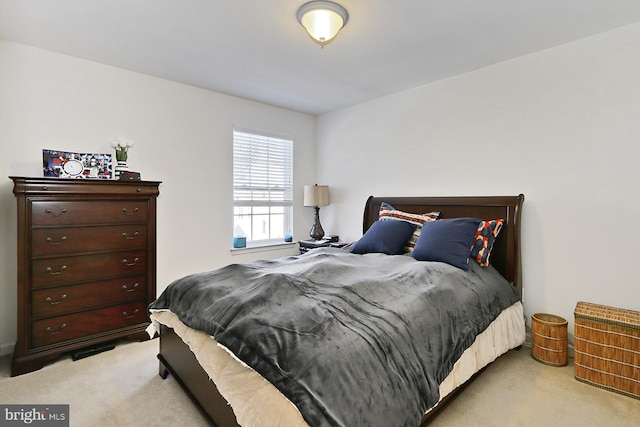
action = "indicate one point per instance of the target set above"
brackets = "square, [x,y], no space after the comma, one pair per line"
[257,403]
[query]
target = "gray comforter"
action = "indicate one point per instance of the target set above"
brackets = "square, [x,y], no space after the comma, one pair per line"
[351,340]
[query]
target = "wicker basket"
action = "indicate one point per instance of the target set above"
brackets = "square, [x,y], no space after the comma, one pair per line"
[549,339]
[607,348]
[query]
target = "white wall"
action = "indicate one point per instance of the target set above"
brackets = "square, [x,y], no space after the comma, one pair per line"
[561,126]
[182,137]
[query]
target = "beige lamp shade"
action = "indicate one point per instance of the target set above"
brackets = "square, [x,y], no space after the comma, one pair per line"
[316,195]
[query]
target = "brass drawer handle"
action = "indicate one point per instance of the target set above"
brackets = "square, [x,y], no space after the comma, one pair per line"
[126,212]
[130,264]
[62,211]
[52,302]
[127,289]
[51,242]
[53,273]
[52,332]
[125,314]
[126,236]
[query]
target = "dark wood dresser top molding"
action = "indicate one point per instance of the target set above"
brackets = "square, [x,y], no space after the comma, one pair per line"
[44,186]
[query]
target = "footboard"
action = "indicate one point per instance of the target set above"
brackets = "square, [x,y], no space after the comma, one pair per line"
[177,359]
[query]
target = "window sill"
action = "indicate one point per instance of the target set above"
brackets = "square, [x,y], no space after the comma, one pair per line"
[263,248]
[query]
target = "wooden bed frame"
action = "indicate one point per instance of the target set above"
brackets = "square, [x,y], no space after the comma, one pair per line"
[176,358]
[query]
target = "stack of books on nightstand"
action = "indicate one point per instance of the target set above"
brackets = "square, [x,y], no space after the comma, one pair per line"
[307,245]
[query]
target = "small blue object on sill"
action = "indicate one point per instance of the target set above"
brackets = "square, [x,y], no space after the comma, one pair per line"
[239,242]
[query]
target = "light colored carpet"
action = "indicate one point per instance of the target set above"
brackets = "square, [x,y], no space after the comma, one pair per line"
[516,390]
[121,387]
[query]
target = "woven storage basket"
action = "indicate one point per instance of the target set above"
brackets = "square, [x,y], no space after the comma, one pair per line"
[607,348]
[549,339]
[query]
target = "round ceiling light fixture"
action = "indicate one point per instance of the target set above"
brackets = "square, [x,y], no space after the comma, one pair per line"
[322,20]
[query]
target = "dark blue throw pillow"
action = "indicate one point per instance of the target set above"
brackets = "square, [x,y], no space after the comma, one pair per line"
[387,237]
[447,240]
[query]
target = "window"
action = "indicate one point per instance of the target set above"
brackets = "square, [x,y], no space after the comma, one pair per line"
[262,186]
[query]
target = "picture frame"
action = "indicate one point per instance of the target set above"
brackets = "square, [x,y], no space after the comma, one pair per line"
[65,164]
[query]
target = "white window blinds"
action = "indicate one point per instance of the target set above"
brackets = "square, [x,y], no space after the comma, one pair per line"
[262,185]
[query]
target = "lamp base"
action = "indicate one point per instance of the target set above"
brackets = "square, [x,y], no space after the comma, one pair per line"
[317,233]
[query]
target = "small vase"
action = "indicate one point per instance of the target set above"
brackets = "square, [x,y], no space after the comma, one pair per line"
[121,155]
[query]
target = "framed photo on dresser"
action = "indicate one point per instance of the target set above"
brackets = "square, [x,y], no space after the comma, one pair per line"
[64,164]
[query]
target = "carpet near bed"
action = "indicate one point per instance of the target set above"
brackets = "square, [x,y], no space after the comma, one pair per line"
[122,388]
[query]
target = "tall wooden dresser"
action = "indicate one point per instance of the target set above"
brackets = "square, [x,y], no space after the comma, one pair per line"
[86,265]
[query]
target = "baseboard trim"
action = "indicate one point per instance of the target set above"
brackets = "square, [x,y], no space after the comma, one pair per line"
[6,349]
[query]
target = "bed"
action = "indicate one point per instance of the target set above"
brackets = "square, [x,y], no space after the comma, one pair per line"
[208,370]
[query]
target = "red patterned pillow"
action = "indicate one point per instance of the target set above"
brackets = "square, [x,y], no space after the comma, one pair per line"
[483,243]
[388,212]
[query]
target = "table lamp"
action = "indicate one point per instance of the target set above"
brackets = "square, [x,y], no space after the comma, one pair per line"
[316,196]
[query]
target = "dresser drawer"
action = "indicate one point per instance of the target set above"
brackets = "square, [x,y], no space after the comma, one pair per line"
[67,299]
[87,268]
[62,241]
[79,325]
[74,212]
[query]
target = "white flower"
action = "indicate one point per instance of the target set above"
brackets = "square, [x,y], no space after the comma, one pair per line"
[122,144]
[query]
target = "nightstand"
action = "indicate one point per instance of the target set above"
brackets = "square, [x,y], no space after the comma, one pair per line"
[307,245]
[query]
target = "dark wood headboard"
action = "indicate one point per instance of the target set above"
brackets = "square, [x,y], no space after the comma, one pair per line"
[506,254]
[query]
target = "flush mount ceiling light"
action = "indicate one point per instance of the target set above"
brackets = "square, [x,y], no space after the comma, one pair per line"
[322,20]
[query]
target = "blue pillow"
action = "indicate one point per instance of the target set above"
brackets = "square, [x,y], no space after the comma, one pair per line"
[387,237]
[447,240]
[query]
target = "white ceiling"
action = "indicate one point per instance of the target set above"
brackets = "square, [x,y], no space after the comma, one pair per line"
[256,49]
